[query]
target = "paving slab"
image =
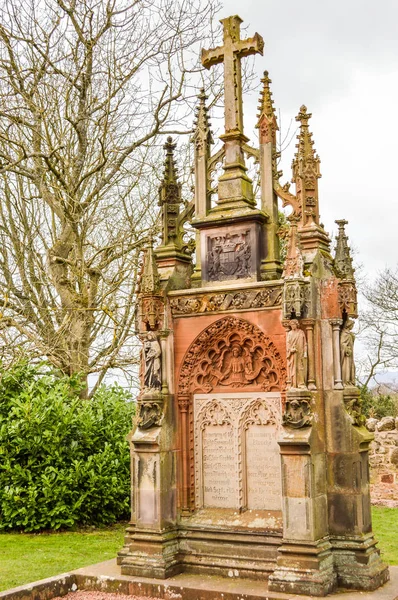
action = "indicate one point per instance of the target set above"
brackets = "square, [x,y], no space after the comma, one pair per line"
[105,577]
[188,586]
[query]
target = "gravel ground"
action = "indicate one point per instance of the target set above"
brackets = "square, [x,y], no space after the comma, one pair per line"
[82,595]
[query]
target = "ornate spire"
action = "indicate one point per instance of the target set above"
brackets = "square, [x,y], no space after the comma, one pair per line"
[306,171]
[150,307]
[266,118]
[170,174]
[294,263]
[342,258]
[150,283]
[170,196]
[202,134]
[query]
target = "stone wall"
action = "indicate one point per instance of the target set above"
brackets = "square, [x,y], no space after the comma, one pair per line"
[384,461]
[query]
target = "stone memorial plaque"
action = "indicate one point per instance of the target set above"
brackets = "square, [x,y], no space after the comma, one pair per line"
[219,468]
[263,470]
[237,460]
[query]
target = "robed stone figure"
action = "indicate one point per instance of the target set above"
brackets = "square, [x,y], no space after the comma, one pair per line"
[347,339]
[152,352]
[296,354]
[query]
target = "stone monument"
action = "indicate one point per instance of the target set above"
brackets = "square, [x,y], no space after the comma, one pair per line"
[249,458]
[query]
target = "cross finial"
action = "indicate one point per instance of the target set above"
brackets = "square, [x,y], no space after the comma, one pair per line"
[234,187]
[230,54]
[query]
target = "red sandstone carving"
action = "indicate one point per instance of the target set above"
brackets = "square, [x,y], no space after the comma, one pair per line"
[234,353]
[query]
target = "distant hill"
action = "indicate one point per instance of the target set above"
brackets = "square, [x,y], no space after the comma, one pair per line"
[389,379]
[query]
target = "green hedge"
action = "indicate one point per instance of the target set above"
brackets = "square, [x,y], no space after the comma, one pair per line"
[63,461]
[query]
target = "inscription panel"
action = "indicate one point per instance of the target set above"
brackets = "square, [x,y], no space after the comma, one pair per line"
[220,484]
[237,460]
[263,469]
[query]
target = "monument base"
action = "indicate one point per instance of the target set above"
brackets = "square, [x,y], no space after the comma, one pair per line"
[227,543]
[149,554]
[304,568]
[358,563]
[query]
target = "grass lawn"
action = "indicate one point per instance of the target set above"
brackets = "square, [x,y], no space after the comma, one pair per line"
[385,527]
[28,557]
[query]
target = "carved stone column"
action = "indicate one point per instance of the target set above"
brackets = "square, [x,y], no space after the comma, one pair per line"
[183,405]
[163,344]
[151,543]
[309,327]
[336,324]
[286,327]
[305,561]
[271,265]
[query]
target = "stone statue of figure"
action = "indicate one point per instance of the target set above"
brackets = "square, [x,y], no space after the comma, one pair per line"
[347,339]
[235,374]
[296,354]
[152,352]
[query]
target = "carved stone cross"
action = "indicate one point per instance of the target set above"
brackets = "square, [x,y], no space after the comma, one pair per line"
[230,54]
[235,189]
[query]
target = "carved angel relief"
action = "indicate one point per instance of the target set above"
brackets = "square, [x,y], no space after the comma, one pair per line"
[232,353]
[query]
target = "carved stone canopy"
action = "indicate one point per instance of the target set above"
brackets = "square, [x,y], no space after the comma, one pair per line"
[232,353]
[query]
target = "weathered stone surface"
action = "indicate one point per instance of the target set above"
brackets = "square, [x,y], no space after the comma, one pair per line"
[394,457]
[371,424]
[386,424]
[384,467]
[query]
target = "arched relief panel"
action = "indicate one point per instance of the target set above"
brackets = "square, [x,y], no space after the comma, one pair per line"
[231,353]
[229,356]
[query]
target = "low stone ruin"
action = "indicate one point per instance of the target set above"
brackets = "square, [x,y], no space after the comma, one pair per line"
[383,458]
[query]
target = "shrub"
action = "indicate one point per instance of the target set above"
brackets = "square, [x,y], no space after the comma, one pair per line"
[378,405]
[63,461]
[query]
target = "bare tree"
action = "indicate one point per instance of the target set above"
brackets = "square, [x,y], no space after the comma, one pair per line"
[379,325]
[86,88]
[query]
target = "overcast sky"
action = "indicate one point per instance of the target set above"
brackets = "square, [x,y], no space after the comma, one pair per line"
[339,58]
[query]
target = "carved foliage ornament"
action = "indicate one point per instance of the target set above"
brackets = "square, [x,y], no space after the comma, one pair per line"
[259,413]
[296,298]
[233,353]
[267,297]
[215,414]
[151,313]
[347,294]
